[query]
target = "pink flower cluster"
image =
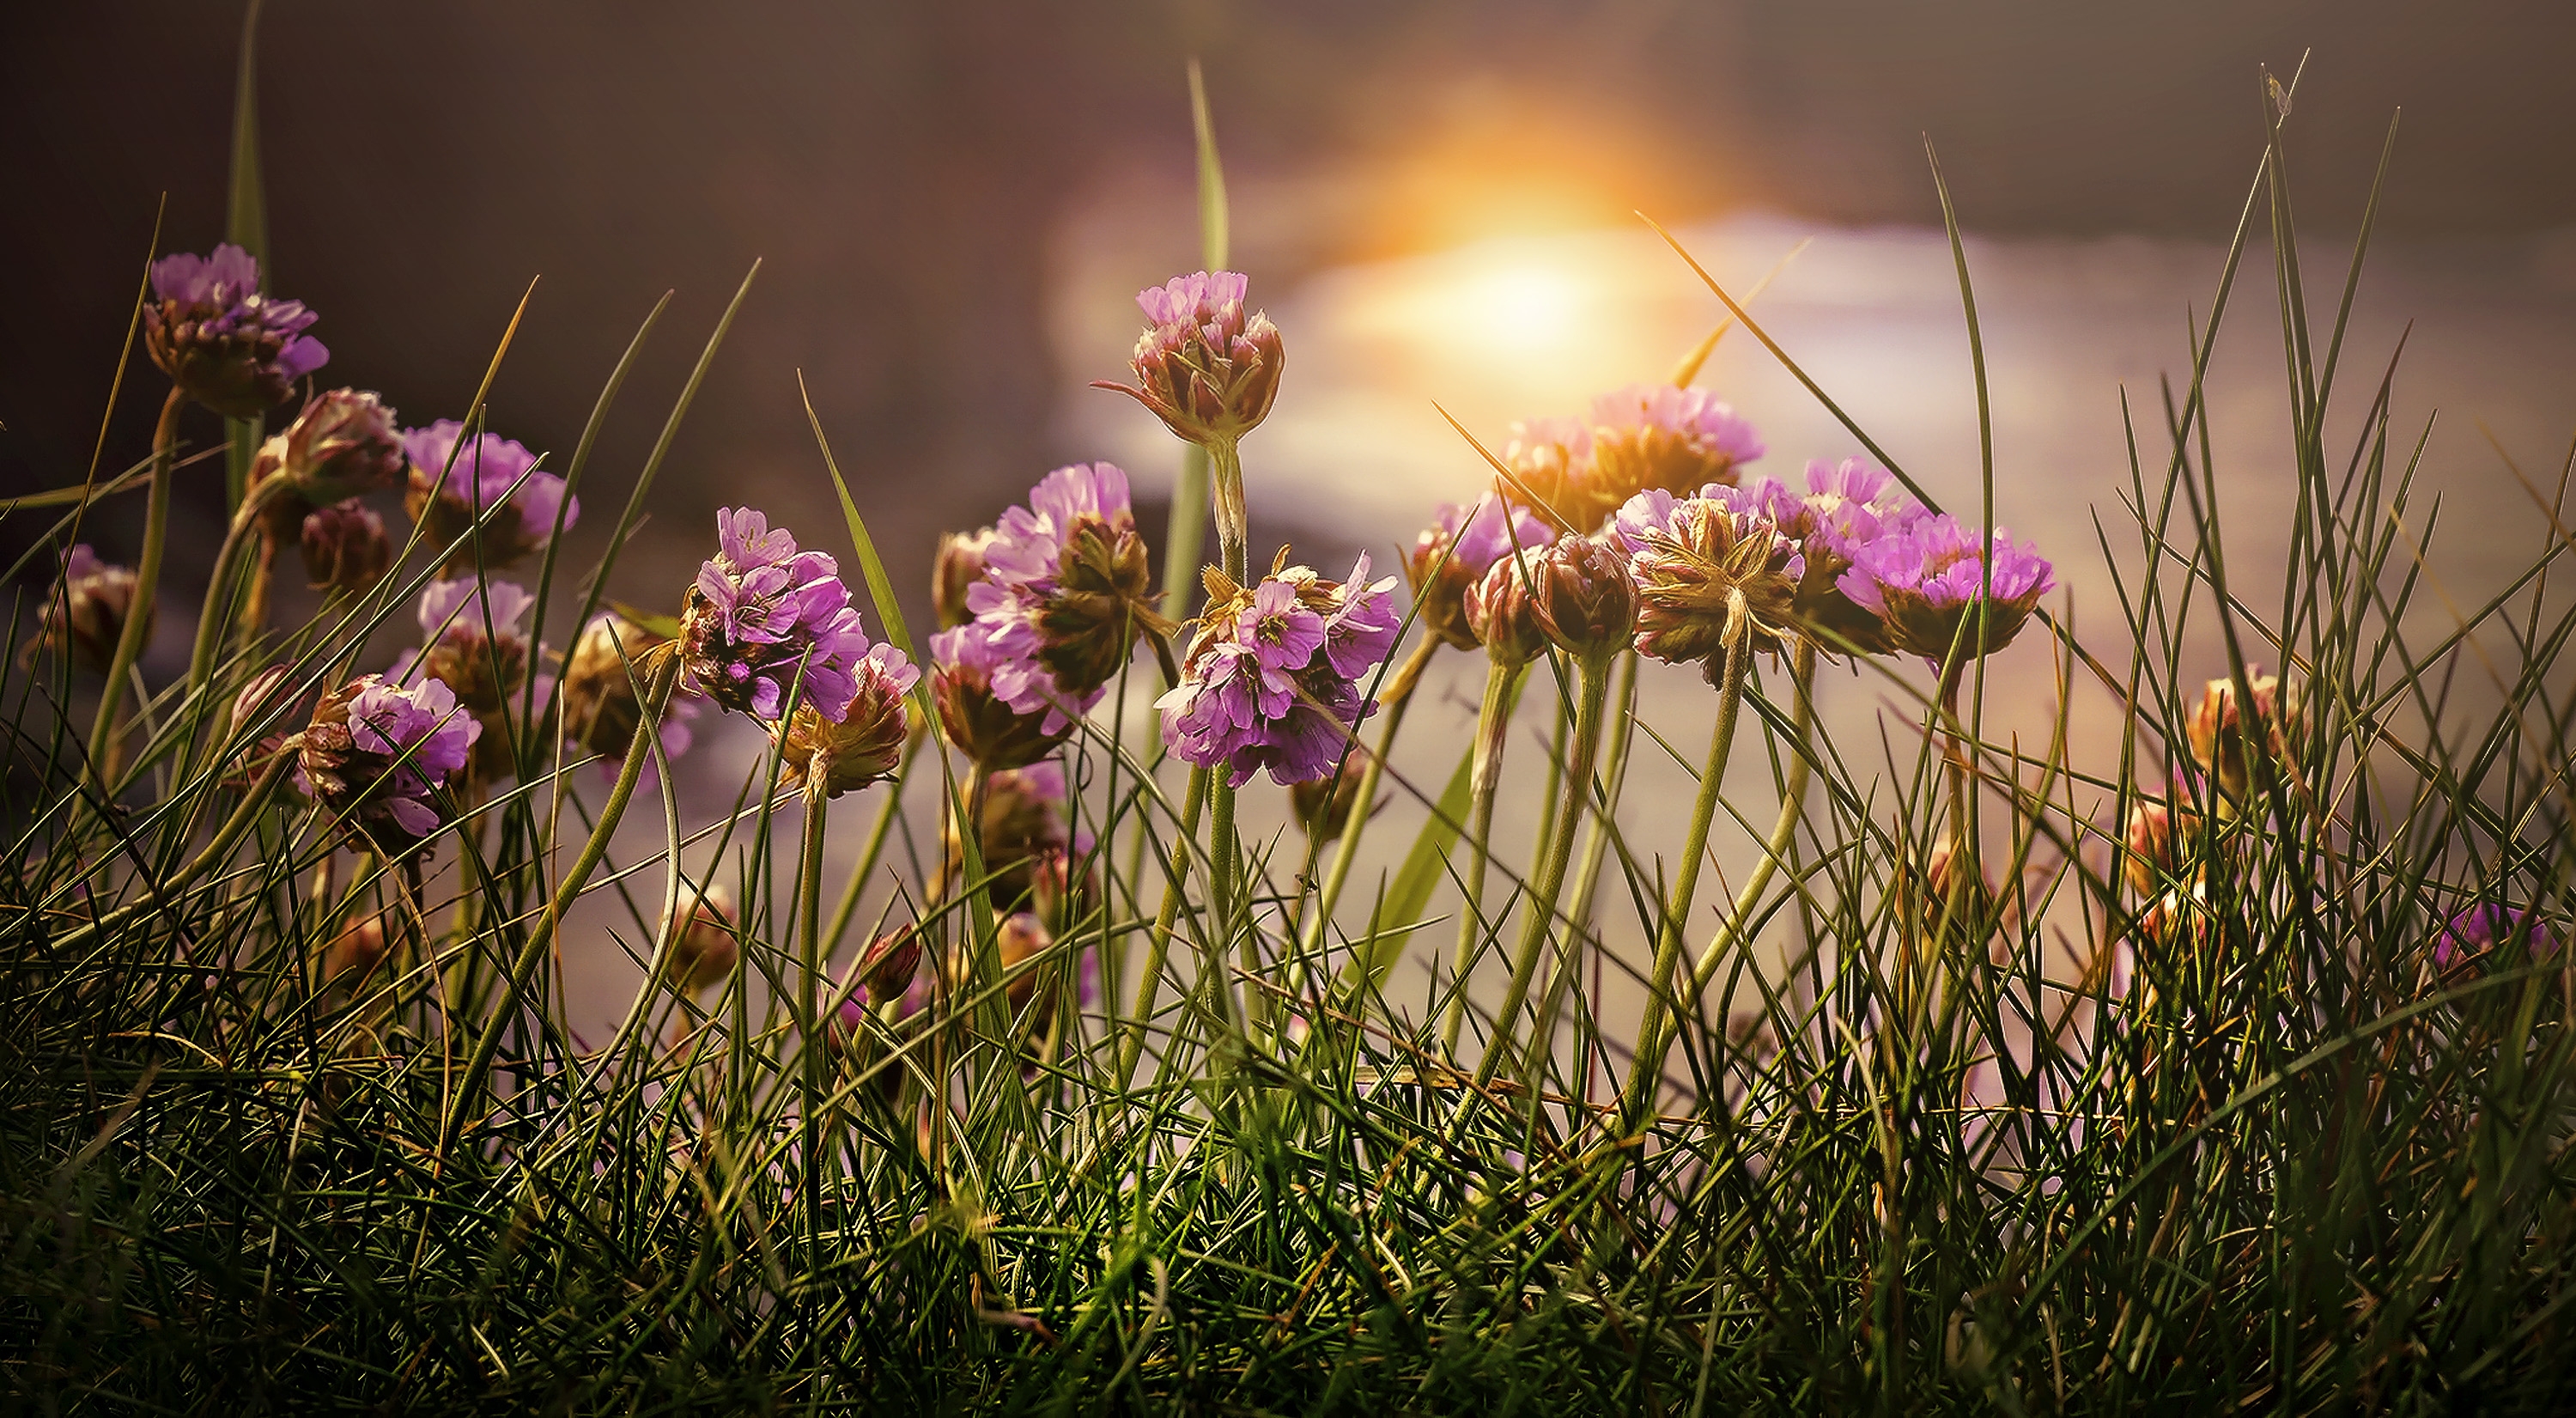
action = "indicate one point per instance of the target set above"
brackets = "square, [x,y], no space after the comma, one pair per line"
[1272,679]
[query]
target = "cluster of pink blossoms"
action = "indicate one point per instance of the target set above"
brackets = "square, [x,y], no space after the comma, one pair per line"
[1272,680]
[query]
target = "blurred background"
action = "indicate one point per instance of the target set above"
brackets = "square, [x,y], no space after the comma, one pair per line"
[955,204]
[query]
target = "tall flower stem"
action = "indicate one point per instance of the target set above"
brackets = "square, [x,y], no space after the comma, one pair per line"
[1668,940]
[1399,694]
[147,581]
[1592,699]
[1159,945]
[1493,732]
[1793,803]
[1233,520]
[1234,553]
[809,904]
[1596,838]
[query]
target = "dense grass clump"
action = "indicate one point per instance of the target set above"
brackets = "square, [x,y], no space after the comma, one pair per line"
[2004,1082]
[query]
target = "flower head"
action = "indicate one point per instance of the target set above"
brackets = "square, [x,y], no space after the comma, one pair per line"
[1499,609]
[1023,846]
[1064,592]
[1551,464]
[1584,597]
[601,710]
[1934,587]
[2219,737]
[224,344]
[2479,929]
[1323,806]
[1455,552]
[1658,436]
[1846,506]
[376,753]
[864,745]
[476,646]
[1708,570]
[763,617]
[343,444]
[455,481]
[957,568]
[1206,369]
[981,723]
[85,615]
[345,547]
[1271,679]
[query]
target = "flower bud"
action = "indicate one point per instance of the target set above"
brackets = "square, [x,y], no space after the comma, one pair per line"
[345,548]
[1584,599]
[1948,901]
[376,753]
[2218,736]
[85,615]
[1449,557]
[864,746]
[356,951]
[1499,608]
[959,565]
[600,708]
[1019,938]
[1323,805]
[700,952]
[2159,835]
[885,969]
[1207,370]
[344,444]
[266,709]
[474,644]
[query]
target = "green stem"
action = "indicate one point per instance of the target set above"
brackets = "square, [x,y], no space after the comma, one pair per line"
[1493,733]
[479,1067]
[1596,839]
[147,582]
[1399,693]
[1593,699]
[1668,940]
[874,852]
[1159,950]
[1233,520]
[1793,803]
[809,902]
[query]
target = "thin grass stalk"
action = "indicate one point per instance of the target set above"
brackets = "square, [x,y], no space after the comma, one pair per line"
[1159,944]
[130,638]
[1592,697]
[809,905]
[1398,697]
[1648,1067]
[1493,735]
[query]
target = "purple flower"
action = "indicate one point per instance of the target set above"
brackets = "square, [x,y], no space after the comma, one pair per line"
[1551,462]
[1931,582]
[1064,591]
[1206,369]
[85,615]
[1264,688]
[864,745]
[222,342]
[475,646]
[974,715]
[762,613]
[1457,551]
[376,752]
[2482,927]
[1655,436]
[454,481]
[1847,506]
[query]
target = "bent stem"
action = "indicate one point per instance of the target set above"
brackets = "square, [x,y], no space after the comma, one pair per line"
[147,581]
[1793,802]
[1668,940]
[1594,697]
[1493,732]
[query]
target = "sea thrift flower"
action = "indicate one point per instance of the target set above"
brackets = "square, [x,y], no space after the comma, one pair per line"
[2474,932]
[1065,591]
[1207,370]
[1658,436]
[224,344]
[2218,737]
[475,644]
[1455,553]
[1551,467]
[1846,506]
[345,547]
[342,445]
[978,721]
[600,709]
[956,570]
[864,745]
[454,481]
[700,950]
[883,974]
[762,615]
[1499,611]
[85,613]
[1933,587]
[376,752]
[1271,679]
[1584,598]
[1709,570]
[2160,832]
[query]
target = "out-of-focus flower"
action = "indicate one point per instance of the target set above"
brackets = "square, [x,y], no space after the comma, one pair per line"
[343,444]
[1323,806]
[265,711]
[1205,368]
[1065,591]
[864,745]
[1551,468]
[454,481]
[1584,598]
[356,951]
[2160,835]
[978,721]
[2474,932]
[1708,570]
[1499,609]
[700,948]
[1948,900]
[475,644]
[1453,554]
[85,613]
[762,613]
[1933,586]
[600,709]
[2218,735]
[1658,436]
[345,547]
[1019,938]
[956,570]
[224,344]
[376,753]
[1272,677]
[1022,844]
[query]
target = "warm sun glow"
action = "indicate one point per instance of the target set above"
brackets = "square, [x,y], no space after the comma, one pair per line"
[1522,306]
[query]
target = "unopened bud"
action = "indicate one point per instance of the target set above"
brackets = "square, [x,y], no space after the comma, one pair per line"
[2219,736]
[1323,805]
[1584,599]
[85,615]
[345,548]
[960,565]
[699,951]
[863,746]
[1500,609]
[344,444]
[355,952]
